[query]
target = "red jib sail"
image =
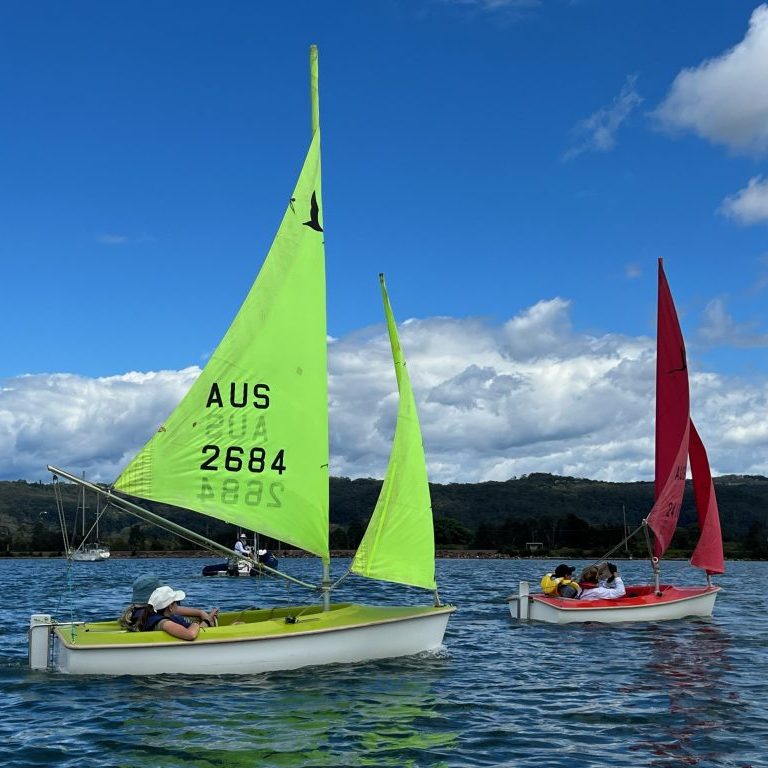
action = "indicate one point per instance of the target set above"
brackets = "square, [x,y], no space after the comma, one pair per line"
[709,550]
[672,420]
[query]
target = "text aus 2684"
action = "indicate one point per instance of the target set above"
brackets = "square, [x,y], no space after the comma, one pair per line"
[234,465]
[240,488]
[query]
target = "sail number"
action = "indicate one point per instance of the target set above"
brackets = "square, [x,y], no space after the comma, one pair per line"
[672,506]
[236,458]
[252,493]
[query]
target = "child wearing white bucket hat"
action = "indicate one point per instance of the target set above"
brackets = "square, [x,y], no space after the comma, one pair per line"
[164,596]
[163,614]
[143,588]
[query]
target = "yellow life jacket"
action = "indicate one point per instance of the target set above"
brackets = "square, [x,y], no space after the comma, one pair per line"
[550,584]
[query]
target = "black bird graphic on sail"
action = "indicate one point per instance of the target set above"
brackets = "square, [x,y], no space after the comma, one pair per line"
[684,361]
[314,215]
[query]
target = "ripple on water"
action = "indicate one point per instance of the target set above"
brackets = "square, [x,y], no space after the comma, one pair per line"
[499,693]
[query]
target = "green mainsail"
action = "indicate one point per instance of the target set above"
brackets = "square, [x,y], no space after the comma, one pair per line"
[248,444]
[399,544]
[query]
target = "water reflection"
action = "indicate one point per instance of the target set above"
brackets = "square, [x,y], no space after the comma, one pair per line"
[687,677]
[374,714]
[503,694]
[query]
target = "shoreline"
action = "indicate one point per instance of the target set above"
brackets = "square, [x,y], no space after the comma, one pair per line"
[440,554]
[465,554]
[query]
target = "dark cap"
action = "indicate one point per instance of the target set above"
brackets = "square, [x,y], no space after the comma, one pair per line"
[563,570]
[143,587]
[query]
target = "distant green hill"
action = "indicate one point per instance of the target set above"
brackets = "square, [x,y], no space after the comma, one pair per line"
[560,513]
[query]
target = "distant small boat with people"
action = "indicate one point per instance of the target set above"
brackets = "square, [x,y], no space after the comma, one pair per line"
[244,566]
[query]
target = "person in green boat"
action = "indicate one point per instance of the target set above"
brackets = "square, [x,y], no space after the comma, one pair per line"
[143,587]
[162,613]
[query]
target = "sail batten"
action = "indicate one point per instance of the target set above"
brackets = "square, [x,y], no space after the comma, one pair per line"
[399,543]
[248,444]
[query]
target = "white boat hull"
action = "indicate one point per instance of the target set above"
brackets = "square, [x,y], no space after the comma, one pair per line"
[366,637]
[640,605]
[98,555]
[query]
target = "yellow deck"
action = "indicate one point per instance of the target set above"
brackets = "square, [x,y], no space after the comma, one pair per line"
[247,625]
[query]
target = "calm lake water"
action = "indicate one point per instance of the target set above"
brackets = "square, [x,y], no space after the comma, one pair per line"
[684,693]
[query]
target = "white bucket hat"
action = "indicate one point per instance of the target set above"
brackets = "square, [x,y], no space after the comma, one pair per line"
[162,597]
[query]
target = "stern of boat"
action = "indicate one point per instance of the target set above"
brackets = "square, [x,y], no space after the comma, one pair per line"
[40,640]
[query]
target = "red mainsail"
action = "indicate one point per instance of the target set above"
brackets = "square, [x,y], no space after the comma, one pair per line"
[676,441]
[672,420]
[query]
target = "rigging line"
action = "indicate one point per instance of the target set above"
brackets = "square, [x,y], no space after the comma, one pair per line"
[620,544]
[70,582]
[87,535]
[60,511]
[68,591]
[94,525]
[125,505]
[340,579]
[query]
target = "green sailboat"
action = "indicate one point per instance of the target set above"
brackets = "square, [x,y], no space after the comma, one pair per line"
[248,444]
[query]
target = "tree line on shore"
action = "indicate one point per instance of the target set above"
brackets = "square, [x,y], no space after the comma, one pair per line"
[538,514]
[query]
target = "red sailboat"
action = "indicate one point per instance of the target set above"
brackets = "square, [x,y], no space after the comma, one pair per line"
[677,443]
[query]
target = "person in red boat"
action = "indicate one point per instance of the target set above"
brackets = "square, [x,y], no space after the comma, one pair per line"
[601,583]
[560,583]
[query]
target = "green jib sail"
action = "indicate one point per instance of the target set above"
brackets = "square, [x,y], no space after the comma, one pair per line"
[248,444]
[399,544]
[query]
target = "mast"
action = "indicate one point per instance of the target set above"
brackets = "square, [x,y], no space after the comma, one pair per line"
[626,531]
[314,97]
[314,91]
[83,511]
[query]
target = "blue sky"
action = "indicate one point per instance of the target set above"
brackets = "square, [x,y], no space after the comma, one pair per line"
[513,168]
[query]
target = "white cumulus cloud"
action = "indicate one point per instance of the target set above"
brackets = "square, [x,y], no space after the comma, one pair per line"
[82,424]
[495,401]
[719,328]
[724,99]
[749,205]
